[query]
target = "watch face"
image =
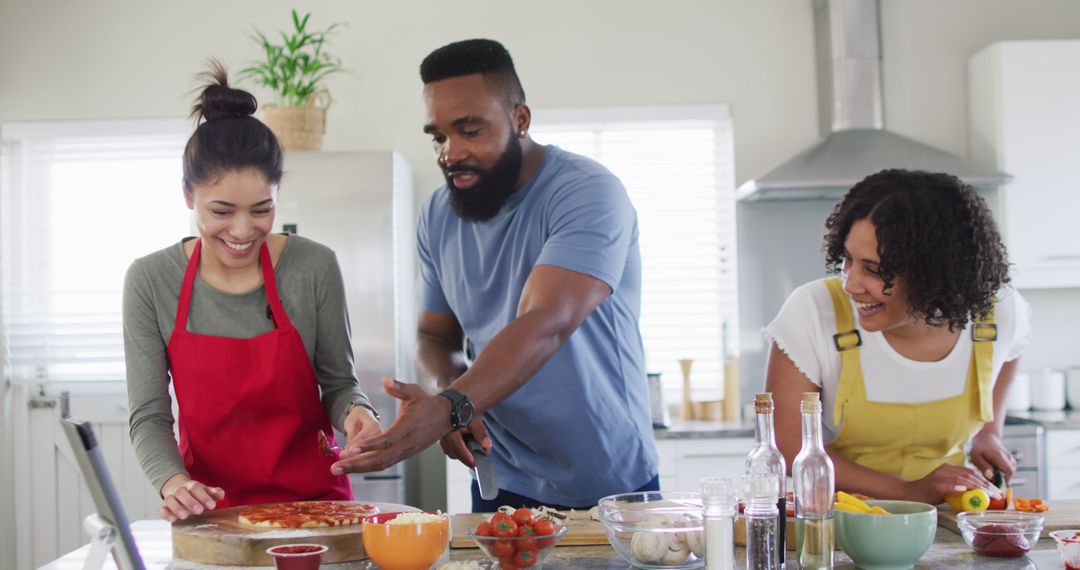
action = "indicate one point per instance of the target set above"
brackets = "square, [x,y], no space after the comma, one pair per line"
[465,412]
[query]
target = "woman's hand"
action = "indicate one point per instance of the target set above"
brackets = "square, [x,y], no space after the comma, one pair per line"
[988,452]
[184,496]
[947,479]
[360,424]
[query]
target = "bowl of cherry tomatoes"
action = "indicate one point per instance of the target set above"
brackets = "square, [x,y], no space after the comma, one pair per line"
[522,539]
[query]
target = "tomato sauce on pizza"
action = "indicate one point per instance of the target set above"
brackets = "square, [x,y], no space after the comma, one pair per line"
[304,514]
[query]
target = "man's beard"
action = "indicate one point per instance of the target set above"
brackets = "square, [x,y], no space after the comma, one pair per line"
[484,200]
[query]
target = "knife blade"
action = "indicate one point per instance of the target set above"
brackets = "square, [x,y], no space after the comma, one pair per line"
[487,477]
[1003,486]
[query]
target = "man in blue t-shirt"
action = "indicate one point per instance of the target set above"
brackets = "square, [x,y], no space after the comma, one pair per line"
[530,291]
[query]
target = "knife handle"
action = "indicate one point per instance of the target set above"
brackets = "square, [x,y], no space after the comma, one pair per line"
[999,479]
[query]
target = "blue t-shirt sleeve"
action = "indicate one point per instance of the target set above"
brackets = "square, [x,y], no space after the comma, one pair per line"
[591,225]
[429,289]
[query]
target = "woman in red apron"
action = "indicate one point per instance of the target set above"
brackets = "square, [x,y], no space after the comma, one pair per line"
[250,408]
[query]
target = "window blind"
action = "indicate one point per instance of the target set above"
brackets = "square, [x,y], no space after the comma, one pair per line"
[678,168]
[78,203]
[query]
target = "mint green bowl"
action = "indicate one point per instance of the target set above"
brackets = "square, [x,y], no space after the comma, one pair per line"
[887,542]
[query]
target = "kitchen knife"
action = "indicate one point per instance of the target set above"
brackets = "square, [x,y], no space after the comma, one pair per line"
[1006,491]
[487,478]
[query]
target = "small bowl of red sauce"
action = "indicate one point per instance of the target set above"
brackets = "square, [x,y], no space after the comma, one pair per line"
[1002,534]
[1068,543]
[297,556]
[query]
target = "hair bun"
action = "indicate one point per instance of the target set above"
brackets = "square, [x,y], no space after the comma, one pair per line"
[218,100]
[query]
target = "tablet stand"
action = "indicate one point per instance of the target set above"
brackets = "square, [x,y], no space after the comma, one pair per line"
[103,535]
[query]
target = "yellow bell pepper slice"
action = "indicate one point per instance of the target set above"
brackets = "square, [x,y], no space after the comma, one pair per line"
[842,497]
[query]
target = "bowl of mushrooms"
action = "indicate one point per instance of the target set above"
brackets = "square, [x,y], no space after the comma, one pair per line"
[655,529]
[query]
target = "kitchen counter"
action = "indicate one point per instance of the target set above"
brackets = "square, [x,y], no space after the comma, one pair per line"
[948,551]
[700,429]
[1060,419]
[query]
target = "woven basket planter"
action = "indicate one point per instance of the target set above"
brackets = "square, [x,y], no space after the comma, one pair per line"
[297,128]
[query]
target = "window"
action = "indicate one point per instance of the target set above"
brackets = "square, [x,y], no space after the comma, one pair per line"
[78,203]
[677,164]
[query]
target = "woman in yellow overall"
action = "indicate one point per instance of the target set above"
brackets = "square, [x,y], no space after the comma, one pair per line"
[912,348]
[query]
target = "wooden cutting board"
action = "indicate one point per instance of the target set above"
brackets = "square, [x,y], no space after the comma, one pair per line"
[218,538]
[1064,514]
[580,532]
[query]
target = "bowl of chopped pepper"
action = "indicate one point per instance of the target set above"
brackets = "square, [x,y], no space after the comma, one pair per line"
[1002,534]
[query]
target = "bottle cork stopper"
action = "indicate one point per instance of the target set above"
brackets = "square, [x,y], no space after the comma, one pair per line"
[811,402]
[763,403]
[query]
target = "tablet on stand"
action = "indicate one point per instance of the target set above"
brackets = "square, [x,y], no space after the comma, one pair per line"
[108,528]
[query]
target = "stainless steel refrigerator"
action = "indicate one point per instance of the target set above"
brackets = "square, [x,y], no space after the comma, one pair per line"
[360,204]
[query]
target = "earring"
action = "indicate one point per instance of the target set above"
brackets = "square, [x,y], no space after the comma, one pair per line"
[521,134]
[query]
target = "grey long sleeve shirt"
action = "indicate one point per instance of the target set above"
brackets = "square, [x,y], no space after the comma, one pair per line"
[312,290]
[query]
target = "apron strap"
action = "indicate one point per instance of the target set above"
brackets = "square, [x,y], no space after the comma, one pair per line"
[847,342]
[983,335]
[185,289]
[281,319]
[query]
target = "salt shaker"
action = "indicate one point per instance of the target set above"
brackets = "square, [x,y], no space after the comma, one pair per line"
[718,497]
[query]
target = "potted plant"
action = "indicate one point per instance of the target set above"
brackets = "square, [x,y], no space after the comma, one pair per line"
[293,69]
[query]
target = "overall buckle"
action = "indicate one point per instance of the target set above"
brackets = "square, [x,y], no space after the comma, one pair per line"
[847,340]
[984,333]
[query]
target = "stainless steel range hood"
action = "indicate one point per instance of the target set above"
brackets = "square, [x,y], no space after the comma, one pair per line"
[850,111]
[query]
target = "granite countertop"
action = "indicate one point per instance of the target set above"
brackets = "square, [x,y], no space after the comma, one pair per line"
[701,429]
[948,551]
[1060,419]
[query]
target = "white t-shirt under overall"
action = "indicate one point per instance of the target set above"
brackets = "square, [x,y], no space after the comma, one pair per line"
[804,330]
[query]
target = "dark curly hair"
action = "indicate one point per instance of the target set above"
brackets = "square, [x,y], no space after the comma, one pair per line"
[933,231]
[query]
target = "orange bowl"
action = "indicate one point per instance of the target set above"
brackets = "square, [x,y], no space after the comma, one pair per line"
[410,546]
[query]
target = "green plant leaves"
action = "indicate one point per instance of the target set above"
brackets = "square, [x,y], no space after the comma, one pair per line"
[293,68]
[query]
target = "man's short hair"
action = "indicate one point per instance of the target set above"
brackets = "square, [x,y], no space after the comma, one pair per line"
[487,57]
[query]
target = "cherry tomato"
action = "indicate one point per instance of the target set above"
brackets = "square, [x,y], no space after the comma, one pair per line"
[503,548]
[500,517]
[507,564]
[544,528]
[504,528]
[525,558]
[525,539]
[523,516]
[485,529]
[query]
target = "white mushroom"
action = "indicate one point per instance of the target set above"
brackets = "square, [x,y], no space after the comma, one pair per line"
[692,538]
[649,546]
[677,553]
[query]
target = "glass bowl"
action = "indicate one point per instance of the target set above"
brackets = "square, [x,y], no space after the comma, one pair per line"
[655,529]
[1068,543]
[518,551]
[1003,534]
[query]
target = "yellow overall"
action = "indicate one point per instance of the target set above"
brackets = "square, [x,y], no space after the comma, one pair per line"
[907,439]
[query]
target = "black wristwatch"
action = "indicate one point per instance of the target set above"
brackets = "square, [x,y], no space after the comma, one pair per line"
[461,408]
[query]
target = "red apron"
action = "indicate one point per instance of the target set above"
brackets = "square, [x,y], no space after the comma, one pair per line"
[250,409]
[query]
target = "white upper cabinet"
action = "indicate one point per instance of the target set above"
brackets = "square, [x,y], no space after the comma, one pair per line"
[1024,106]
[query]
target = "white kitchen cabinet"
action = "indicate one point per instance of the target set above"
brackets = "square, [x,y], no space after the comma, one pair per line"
[683,462]
[1063,464]
[1024,119]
